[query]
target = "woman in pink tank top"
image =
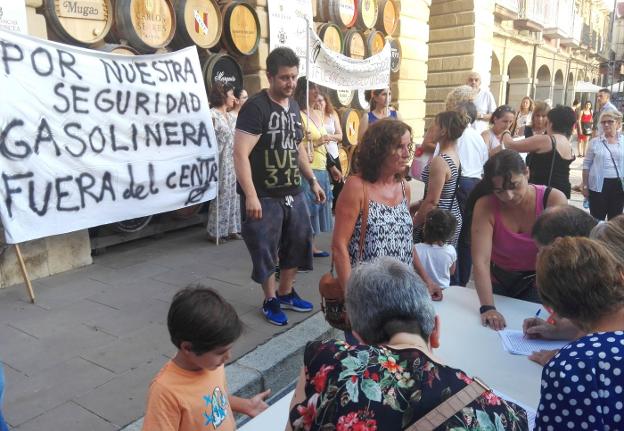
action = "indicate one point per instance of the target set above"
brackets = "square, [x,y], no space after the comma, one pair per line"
[504,207]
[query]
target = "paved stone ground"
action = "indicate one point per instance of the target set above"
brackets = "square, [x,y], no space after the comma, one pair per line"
[82,357]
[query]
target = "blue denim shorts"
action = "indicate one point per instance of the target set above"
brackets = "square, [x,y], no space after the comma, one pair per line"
[284,232]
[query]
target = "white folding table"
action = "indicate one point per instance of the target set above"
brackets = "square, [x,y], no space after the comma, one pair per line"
[464,344]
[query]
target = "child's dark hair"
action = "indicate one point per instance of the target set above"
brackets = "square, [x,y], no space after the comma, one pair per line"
[202,317]
[439,226]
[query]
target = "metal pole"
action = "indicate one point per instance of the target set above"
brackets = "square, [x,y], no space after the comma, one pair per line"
[310,149]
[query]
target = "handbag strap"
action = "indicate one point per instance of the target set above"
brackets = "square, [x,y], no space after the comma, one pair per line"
[617,171]
[552,162]
[456,187]
[364,223]
[449,407]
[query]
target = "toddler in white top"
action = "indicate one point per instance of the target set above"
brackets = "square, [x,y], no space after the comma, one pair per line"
[436,256]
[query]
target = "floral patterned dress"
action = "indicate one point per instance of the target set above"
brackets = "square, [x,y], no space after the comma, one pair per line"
[371,388]
[229,217]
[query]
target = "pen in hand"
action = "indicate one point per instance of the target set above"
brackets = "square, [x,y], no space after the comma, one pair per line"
[537,313]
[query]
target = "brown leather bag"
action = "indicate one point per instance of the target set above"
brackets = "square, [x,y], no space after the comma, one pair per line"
[332,294]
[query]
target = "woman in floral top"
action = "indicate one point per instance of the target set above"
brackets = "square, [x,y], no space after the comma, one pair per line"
[395,379]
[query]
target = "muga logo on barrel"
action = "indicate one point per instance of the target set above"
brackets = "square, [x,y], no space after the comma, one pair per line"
[81,9]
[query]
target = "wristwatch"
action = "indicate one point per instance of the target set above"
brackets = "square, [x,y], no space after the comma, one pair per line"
[486,308]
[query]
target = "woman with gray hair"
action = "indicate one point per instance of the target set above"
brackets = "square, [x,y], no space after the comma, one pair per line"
[603,169]
[392,379]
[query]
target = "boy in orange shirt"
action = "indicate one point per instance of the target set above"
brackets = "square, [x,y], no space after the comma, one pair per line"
[190,392]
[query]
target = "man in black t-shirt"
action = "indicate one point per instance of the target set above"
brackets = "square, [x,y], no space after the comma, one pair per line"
[270,161]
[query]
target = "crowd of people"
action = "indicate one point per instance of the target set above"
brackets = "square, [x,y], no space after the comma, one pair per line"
[495,210]
[497,184]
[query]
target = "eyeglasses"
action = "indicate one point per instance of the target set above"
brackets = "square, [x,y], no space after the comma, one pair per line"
[607,122]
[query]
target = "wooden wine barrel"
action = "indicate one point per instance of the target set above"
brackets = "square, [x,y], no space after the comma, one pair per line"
[241,28]
[341,12]
[76,22]
[341,98]
[367,11]
[222,68]
[395,59]
[388,16]
[146,25]
[375,42]
[186,212]
[198,22]
[354,46]
[119,49]
[132,225]
[345,155]
[350,122]
[360,102]
[331,36]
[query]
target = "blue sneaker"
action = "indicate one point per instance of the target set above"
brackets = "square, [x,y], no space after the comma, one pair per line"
[273,313]
[292,301]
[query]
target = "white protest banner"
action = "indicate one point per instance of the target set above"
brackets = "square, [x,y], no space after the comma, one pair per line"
[287,26]
[339,72]
[13,16]
[89,138]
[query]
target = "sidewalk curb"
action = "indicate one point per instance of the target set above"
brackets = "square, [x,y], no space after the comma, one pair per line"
[274,364]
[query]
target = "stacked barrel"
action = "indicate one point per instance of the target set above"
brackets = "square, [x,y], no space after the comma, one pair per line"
[357,29]
[222,31]
[231,37]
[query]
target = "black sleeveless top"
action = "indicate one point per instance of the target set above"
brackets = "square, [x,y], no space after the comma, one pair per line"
[539,169]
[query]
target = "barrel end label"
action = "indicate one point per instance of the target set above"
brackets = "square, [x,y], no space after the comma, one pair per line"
[82,9]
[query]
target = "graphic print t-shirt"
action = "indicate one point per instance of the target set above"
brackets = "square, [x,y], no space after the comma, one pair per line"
[182,400]
[275,158]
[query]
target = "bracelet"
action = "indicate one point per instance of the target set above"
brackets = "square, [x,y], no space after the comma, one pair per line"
[486,308]
[312,180]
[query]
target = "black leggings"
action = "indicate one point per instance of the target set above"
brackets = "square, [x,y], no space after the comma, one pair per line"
[609,202]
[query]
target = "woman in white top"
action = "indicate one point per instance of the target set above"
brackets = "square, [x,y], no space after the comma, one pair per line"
[332,125]
[501,120]
[523,117]
[334,135]
[603,169]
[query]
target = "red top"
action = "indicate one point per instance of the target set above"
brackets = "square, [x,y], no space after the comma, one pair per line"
[510,250]
[586,118]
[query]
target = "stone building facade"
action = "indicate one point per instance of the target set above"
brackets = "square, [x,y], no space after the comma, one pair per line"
[537,48]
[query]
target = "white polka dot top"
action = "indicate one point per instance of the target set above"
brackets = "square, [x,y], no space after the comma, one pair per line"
[582,385]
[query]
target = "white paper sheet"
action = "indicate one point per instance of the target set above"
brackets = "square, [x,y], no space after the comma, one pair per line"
[515,343]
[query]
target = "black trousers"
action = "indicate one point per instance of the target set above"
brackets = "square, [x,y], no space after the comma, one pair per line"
[609,202]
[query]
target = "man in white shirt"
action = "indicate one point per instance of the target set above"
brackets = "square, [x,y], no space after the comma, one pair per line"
[484,102]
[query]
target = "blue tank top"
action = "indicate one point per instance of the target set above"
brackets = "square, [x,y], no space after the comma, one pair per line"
[372,117]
